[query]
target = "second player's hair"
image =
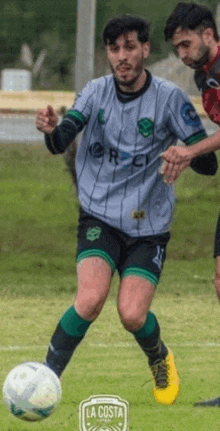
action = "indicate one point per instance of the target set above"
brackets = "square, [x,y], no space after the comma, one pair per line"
[124,24]
[191,16]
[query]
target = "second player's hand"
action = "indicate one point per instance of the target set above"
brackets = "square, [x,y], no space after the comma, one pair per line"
[176,154]
[46,120]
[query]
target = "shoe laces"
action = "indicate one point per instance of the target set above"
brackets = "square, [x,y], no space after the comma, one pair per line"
[160,373]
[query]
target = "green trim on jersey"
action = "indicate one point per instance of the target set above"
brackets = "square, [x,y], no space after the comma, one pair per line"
[96,252]
[196,138]
[77,115]
[143,273]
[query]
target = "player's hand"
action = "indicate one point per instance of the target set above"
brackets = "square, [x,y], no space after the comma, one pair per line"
[171,171]
[175,160]
[176,154]
[46,120]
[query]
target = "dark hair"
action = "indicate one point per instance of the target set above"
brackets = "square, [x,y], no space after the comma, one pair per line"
[191,16]
[124,24]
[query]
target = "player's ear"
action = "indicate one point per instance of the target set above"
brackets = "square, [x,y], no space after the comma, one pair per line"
[146,49]
[208,34]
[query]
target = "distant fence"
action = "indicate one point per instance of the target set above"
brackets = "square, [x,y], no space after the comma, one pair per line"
[30,101]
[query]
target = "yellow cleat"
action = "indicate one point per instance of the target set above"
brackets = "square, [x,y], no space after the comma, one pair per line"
[167,386]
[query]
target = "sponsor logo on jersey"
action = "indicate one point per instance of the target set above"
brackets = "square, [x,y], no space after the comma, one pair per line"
[126,159]
[116,157]
[189,115]
[96,150]
[146,127]
[93,233]
[138,214]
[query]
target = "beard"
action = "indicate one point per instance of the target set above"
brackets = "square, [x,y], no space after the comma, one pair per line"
[137,71]
[204,58]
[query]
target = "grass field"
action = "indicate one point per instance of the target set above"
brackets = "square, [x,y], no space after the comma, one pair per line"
[37,242]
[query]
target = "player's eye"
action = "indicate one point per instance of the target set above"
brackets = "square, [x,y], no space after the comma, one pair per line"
[114,48]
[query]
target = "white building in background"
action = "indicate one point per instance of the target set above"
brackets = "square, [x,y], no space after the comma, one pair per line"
[15,80]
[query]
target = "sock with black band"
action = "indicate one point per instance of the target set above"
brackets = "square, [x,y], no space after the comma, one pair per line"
[68,334]
[148,338]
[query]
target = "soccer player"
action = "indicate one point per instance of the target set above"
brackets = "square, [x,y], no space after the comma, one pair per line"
[126,209]
[192,31]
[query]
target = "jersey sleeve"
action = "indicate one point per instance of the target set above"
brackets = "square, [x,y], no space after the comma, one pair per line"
[185,123]
[183,120]
[73,122]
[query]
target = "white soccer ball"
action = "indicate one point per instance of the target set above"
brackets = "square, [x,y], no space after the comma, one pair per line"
[32,391]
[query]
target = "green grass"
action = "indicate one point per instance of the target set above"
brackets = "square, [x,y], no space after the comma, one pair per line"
[38,223]
[109,362]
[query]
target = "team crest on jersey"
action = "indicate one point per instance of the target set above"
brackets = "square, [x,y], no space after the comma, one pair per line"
[138,214]
[93,233]
[189,115]
[146,127]
[101,118]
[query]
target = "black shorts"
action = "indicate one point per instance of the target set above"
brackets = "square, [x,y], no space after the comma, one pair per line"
[217,239]
[142,256]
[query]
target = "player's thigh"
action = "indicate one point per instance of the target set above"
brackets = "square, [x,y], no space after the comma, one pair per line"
[217,239]
[96,258]
[140,272]
[94,279]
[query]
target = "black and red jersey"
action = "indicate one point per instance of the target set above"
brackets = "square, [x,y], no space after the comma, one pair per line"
[208,81]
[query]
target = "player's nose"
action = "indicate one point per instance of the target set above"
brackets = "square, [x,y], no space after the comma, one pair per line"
[122,54]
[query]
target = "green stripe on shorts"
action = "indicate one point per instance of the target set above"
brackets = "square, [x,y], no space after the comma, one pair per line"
[96,252]
[143,273]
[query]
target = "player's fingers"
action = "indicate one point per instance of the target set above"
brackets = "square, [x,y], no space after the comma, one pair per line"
[50,111]
[41,121]
[173,171]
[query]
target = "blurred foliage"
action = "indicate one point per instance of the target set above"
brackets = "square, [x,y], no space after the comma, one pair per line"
[52,25]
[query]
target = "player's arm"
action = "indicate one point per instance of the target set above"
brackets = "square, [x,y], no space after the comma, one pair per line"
[185,154]
[58,138]
[63,135]
[200,157]
[185,123]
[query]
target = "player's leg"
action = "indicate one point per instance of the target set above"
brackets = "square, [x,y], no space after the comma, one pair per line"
[134,301]
[214,402]
[217,256]
[94,277]
[140,274]
[96,252]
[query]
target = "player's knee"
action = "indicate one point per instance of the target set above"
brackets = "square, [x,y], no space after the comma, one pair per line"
[131,319]
[90,306]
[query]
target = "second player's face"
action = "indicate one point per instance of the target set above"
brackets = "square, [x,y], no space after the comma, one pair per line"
[191,47]
[127,61]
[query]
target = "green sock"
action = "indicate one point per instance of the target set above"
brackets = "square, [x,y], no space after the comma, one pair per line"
[68,334]
[73,324]
[149,327]
[148,338]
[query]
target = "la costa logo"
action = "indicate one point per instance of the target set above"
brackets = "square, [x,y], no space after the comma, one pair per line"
[103,413]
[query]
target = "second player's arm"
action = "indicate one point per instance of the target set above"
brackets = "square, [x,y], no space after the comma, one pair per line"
[176,154]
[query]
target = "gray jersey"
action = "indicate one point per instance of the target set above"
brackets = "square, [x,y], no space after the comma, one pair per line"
[118,159]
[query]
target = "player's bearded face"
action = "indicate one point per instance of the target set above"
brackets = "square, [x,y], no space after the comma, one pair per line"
[190,46]
[127,60]
[200,59]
